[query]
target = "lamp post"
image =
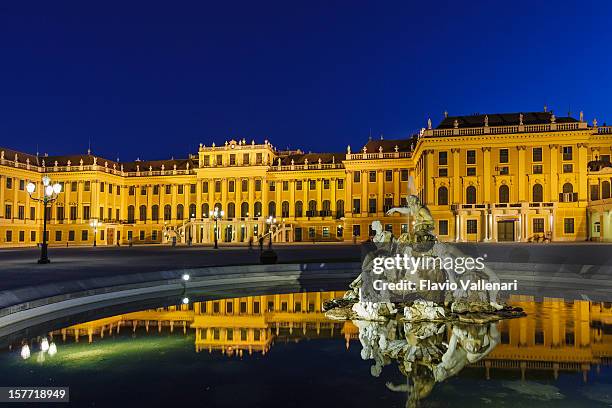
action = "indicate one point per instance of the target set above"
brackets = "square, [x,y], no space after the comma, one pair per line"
[216,215]
[271,221]
[95,223]
[49,195]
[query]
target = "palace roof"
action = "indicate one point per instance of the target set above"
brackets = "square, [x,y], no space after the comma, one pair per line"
[503,119]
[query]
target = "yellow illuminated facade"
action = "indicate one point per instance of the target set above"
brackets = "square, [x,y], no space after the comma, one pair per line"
[497,177]
[555,336]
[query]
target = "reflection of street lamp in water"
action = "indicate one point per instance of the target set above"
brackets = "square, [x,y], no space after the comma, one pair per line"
[95,223]
[49,195]
[216,215]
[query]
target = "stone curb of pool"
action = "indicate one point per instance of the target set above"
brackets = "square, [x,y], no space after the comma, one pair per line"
[84,291]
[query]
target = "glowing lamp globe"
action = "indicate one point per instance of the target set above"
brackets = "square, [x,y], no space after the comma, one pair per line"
[31,187]
[49,191]
[57,188]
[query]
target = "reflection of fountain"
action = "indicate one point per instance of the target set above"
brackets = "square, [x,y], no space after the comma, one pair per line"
[451,291]
[426,353]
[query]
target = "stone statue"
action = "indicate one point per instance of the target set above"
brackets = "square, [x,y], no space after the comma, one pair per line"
[423,223]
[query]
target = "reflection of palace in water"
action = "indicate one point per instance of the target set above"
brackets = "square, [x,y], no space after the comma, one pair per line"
[555,336]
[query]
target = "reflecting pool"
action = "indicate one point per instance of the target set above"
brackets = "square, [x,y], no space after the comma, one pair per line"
[280,350]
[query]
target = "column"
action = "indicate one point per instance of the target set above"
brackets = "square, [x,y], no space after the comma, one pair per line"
[554,167]
[186,195]
[332,196]
[264,198]
[251,197]
[487,175]
[380,181]
[522,175]
[456,177]
[582,171]
[162,202]
[396,187]
[348,205]
[149,202]
[365,181]
[429,174]
[2,188]
[199,214]
[173,209]
[291,199]
[80,187]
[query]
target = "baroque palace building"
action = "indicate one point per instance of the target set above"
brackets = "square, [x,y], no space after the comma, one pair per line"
[496,177]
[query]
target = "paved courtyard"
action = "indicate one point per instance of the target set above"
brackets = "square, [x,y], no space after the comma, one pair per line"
[18,267]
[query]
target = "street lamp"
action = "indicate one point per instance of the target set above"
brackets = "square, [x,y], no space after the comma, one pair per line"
[95,223]
[268,256]
[271,221]
[216,215]
[49,195]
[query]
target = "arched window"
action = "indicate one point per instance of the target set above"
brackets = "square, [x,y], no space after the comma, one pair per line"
[167,212]
[130,214]
[217,207]
[272,209]
[142,213]
[442,196]
[205,210]
[568,194]
[326,205]
[155,213]
[244,209]
[605,189]
[312,207]
[568,188]
[257,209]
[192,210]
[339,208]
[504,194]
[299,209]
[470,195]
[179,212]
[285,209]
[537,193]
[231,211]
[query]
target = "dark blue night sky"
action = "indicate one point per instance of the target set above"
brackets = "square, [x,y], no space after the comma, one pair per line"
[154,79]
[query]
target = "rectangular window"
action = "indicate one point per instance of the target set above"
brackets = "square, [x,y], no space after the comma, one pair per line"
[9,182]
[605,158]
[298,184]
[503,155]
[594,192]
[206,160]
[538,225]
[87,186]
[272,186]
[471,171]
[154,235]
[443,227]
[32,213]
[568,168]
[258,185]
[340,184]
[141,235]
[70,235]
[86,214]
[245,185]
[356,205]
[404,175]
[537,154]
[389,175]
[372,177]
[84,235]
[245,158]
[143,190]
[73,186]
[567,152]
[471,156]
[192,189]
[102,187]
[168,189]
[286,185]
[60,214]
[110,189]
[219,160]
[33,236]
[325,232]
[312,184]
[258,158]
[155,190]
[442,158]
[472,226]
[205,187]
[504,170]
[312,232]
[21,236]
[21,212]
[8,211]
[217,186]
[179,189]
[132,190]
[58,236]
[21,185]
[325,184]
[568,225]
[232,159]
[9,236]
[372,205]
[356,230]
[537,169]
[356,176]
[73,212]
[231,186]
[442,172]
